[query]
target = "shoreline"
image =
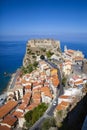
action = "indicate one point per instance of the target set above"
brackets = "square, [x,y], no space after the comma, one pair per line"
[12,79]
[10,85]
[4,94]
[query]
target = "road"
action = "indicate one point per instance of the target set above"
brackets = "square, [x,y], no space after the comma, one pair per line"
[14,79]
[51,108]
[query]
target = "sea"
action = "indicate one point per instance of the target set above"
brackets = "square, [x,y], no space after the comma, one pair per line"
[12,54]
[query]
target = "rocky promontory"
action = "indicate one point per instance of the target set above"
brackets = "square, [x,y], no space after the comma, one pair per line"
[37,47]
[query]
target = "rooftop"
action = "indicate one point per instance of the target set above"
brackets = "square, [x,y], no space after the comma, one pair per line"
[17,114]
[63,105]
[10,120]
[8,107]
[4,128]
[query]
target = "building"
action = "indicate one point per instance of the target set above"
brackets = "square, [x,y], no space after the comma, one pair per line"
[9,121]
[7,108]
[44,43]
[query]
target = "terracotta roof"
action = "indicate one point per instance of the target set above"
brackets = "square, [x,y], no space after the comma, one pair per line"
[55,81]
[60,107]
[70,51]
[45,88]
[6,108]
[26,98]
[64,96]
[10,120]
[32,106]
[35,90]
[53,71]
[36,96]
[78,58]
[23,81]
[17,114]
[48,93]
[78,82]
[4,128]
[22,106]
[63,105]
[36,83]
[28,87]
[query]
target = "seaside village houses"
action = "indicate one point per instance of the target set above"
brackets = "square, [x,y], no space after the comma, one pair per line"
[29,91]
[41,85]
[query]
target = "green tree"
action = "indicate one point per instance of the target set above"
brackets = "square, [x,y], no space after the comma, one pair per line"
[49,54]
[30,68]
[64,79]
[32,116]
[24,70]
[35,64]
[28,116]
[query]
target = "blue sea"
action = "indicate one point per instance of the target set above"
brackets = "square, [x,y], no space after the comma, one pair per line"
[11,57]
[12,53]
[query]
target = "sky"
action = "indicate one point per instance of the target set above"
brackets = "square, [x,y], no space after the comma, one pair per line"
[21,18]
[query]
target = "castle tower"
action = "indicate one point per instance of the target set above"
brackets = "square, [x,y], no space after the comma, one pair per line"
[65,48]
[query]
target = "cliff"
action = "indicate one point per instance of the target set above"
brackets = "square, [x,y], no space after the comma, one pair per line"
[37,47]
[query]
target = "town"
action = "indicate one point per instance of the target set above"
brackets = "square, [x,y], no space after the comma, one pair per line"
[57,82]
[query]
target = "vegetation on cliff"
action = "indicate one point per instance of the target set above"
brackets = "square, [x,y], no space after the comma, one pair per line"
[36,48]
[29,68]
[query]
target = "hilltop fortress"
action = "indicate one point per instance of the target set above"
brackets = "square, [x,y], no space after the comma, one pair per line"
[37,47]
[45,43]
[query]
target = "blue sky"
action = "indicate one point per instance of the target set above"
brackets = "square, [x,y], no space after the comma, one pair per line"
[43,17]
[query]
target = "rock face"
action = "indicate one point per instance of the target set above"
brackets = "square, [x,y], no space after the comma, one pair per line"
[38,47]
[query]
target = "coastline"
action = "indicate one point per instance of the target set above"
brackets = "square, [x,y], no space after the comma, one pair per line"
[4,94]
[11,82]
[10,85]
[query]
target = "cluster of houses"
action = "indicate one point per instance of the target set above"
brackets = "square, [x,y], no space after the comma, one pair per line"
[41,85]
[29,91]
[73,92]
[71,57]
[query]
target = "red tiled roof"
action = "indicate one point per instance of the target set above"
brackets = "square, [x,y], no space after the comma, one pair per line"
[63,105]
[78,58]
[22,106]
[17,114]
[78,82]
[70,51]
[53,71]
[28,87]
[32,106]
[55,80]
[64,96]
[10,120]
[4,128]
[6,108]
